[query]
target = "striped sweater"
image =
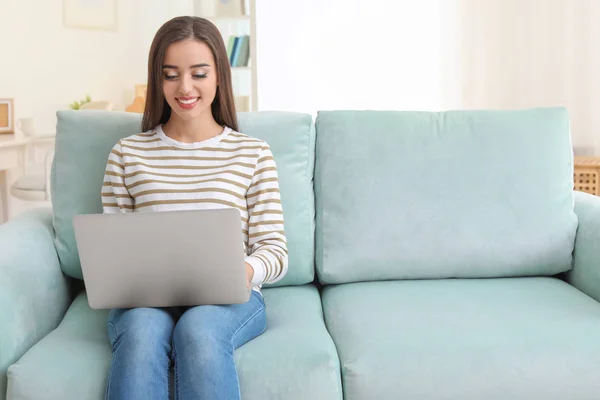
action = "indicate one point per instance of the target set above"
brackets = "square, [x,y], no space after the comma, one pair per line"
[151,172]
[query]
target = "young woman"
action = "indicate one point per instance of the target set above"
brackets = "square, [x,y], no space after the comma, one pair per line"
[191,156]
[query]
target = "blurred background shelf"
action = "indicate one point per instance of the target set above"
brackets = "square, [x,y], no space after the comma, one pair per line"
[236,20]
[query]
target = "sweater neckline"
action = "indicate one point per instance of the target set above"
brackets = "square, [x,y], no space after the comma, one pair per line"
[191,145]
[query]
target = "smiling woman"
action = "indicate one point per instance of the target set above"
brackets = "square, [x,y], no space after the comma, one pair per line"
[190,156]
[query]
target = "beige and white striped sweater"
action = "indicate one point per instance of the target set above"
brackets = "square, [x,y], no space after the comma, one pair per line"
[151,172]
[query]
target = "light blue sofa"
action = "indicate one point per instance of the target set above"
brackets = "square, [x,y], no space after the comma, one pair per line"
[432,256]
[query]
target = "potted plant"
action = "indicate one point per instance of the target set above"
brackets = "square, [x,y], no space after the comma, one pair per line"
[76,105]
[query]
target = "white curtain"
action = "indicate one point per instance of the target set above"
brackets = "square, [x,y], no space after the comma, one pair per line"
[531,53]
[433,55]
[350,54]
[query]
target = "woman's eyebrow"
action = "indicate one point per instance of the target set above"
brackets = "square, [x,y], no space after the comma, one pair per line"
[168,66]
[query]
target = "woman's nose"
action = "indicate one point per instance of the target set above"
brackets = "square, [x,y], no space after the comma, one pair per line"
[185,86]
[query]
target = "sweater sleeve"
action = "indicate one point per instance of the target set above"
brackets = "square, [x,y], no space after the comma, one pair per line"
[267,244]
[115,196]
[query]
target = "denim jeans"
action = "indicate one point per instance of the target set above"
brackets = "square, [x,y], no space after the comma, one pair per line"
[198,341]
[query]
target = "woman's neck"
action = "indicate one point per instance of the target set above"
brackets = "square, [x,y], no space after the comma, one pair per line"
[190,131]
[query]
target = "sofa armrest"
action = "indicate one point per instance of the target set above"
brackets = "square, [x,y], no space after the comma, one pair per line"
[585,274]
[34,293]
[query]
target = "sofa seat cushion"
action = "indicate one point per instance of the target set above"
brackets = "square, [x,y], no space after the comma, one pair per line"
[294,359]
[497,339]
[71,362]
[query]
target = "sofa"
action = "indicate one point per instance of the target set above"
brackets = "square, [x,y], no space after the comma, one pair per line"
[433,255]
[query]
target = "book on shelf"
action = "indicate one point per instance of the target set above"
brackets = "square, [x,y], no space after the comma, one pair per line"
[238,50]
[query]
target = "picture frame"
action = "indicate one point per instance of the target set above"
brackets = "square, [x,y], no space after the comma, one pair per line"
[90,14]
[7,116]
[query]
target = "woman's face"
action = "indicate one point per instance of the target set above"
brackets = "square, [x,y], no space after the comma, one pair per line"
[189,78]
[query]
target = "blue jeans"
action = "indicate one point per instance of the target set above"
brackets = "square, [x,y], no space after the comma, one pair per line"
[199,341]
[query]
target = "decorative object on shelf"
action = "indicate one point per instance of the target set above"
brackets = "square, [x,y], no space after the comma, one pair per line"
[7,116]
[27,126]
[102,105]
[90,14]
[139,101]
[219,8]
[586,174]
[76,105]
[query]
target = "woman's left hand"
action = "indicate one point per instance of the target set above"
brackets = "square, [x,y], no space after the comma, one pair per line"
[249,274]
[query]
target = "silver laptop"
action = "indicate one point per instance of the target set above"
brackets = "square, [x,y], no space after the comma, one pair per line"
[162,259]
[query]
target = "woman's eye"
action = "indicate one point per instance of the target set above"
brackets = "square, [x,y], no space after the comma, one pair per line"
[199,76]
[170,77]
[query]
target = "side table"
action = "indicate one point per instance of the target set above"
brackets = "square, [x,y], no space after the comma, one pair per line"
[586,174]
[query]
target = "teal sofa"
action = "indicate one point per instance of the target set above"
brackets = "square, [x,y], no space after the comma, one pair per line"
[432,256]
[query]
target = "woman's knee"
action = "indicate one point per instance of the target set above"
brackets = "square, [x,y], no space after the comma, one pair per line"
[142,331]
[197,333]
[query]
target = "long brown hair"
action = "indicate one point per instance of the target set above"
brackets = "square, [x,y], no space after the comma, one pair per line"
[157,110]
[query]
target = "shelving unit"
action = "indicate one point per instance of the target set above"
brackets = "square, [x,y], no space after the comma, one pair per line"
[243,77]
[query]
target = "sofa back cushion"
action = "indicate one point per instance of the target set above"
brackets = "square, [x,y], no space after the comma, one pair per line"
[85,138]
[469,194]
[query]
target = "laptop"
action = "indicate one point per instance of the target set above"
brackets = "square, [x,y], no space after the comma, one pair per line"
[162,259]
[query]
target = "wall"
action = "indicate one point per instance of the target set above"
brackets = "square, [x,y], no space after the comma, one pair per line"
[325,54]
[45,66]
